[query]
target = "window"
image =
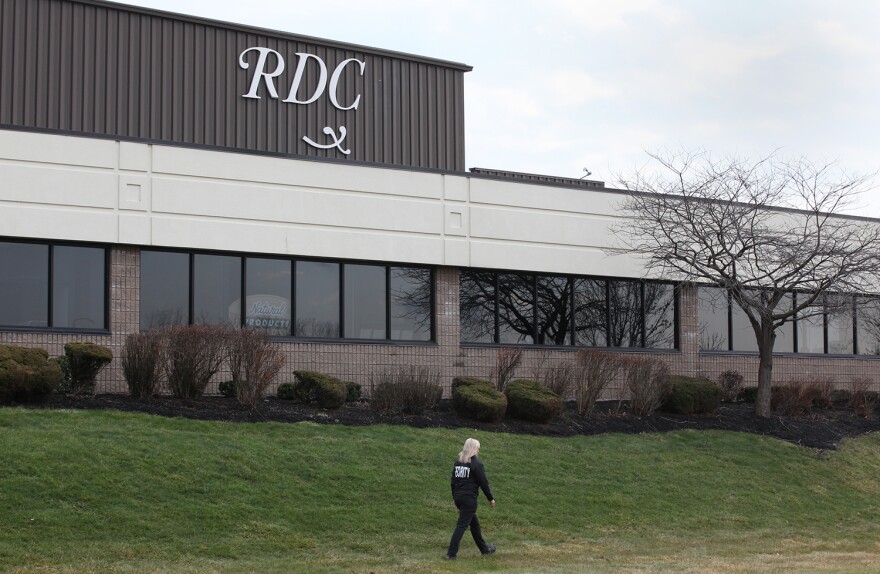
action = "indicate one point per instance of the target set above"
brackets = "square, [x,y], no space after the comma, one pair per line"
[217,290]
[712,313]
[364,301]
[53,286]
[839,324]
[554,310]
[868,326]
[411,302]
[285,297]
[590,312]
[810,327]
[625,326]
[563,310]
[267,302]
[317,299]
[24,293]
[164,289]
[477,306]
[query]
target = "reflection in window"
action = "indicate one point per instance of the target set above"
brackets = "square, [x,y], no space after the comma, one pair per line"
[410,297]
[78,287]
[811,328]
[839,321]
[24,293]
[267,305]
[477,306]
[624,301]
[217,290]
[317,299]
[164,289]
[516,308]
[590,312]
[785,334]
[743,334]
[659,316]
[868,326]
[554,310]
[712,308]
[364,302]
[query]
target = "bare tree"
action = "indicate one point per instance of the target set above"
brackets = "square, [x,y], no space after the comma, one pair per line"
[760,229]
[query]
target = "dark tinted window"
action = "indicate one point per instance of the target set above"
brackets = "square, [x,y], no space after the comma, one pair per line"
[78,287]
[659,307]
[267,305]
[410,297]
[516,308]
[624,300]
[164,289]
[364,302]
[554,310]
[24,285]
[317,299]
[591,312]
[217,290]
[477,306]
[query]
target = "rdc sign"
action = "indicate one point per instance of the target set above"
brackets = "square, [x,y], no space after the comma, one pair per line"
[270,65]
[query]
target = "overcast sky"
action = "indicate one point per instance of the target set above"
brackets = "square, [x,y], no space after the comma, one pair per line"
[563,85]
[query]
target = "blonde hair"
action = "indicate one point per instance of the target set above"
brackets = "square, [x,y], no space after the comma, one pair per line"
[470,448]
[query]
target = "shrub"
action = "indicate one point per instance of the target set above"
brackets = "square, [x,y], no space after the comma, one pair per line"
[841,397]
[84,362]
[476,401]
[731,383]
[559,379]
[819,393]
[593,371]
[647,380]
[468,381]
[692,396]
[863,400]
[748,394]
[286,392]
[411,390]
[790,400]
[226,389]
[506,362]
[254,363]
[193,354]
[529,400]
[329,392]
[141,363]
[352,392]
[26,374]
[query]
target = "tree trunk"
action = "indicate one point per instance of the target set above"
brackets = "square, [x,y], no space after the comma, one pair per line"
[765,370]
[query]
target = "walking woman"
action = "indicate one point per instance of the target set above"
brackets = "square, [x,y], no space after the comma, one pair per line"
[468,477]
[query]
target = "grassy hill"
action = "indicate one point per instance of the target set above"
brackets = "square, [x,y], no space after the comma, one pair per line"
[88,491]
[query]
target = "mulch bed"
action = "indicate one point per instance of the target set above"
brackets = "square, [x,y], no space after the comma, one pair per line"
[824,429]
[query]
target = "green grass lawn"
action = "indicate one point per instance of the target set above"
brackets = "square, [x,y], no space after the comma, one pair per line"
[87,491]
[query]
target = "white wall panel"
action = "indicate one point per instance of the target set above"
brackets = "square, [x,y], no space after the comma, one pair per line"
[53,223]
[44,148]
[552,259]
[551,228]
[295,205]
[511,194]
[29,183]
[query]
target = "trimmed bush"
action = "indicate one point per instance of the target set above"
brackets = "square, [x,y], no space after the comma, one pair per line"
[286,392]
[478,400]
[690,396]
[411,390]
[468,381]
[84,362]
[310,386]
[141,363]
[26,374]
[529,400]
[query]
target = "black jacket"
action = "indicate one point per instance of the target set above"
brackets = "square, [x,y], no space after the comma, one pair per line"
[467,478]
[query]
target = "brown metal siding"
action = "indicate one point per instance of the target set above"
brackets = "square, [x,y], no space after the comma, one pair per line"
[92,68]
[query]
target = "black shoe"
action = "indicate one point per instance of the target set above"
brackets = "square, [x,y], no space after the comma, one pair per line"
[448,557]
[490,549]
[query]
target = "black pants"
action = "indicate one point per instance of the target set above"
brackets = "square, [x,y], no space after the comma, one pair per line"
[467,516]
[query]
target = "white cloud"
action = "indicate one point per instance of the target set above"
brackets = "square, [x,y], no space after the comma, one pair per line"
[614,15]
